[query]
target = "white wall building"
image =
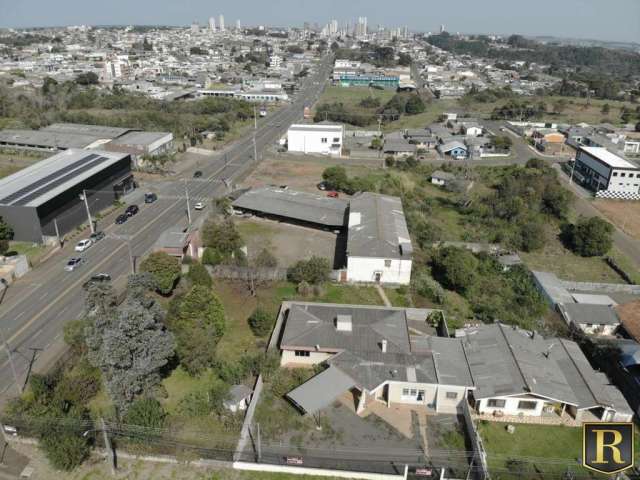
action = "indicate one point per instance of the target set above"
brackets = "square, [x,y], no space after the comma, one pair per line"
[323,139]
[600,169]
[378,246]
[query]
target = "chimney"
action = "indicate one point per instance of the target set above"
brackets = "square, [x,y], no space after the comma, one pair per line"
[383,345]
[343,323]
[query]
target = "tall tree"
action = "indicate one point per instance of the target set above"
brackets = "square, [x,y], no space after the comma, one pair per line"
[6,234]
[165,270]
[133,346]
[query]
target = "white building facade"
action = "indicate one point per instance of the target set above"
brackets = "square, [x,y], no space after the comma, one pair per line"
[601,169]
[320,139]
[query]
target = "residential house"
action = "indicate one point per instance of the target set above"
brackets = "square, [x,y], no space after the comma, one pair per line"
[378,242]
[178,243]
[454,149]
[369,353]
[592,319]
[470,128]
[400,148]
[421,138]
[442,178]
[518,373]
[549,140]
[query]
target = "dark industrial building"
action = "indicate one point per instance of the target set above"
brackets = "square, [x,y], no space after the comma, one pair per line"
[49,192]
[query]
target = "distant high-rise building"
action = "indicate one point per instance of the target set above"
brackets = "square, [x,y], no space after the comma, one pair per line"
[212,24]
[195,28]
[333,27]
[221,22]
[238,25]
[361,27]
[442,28]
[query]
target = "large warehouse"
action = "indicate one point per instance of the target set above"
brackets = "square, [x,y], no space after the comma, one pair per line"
[33,200]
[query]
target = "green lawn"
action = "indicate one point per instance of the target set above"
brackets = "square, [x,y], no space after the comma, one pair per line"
[351,97]
[398,297]
[33,251]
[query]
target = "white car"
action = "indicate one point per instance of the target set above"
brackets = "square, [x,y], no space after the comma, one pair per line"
[73,263]
[82,245]
[199,206]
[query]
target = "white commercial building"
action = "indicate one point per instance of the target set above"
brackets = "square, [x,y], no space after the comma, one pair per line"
[378,245]
[323,139]
[600,169]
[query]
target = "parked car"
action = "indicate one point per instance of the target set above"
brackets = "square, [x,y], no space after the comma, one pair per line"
[199,206]
[197,174]
[131,210]
[97,278]
[82,245]
[96,237]
[333,194]
[150,197]
[120,219]
[73,263]
[322,186]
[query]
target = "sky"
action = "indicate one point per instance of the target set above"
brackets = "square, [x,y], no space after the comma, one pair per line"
[613,20]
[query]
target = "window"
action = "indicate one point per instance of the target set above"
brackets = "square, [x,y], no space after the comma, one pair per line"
[623,174]
[631,175]
[405,392]
[495,403]
[452,395]
[387,263]
[615,174]
[336,139]
[525,405]
[302,353]
[323,140]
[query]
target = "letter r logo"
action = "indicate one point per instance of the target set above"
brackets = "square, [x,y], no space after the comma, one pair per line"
[608,447]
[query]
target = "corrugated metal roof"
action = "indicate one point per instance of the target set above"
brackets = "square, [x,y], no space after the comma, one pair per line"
[320,391]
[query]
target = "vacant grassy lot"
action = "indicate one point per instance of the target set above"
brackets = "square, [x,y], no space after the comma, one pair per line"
[351,97]
[432,114]
[625,215]
[577,110]
[12,161]
[33,251]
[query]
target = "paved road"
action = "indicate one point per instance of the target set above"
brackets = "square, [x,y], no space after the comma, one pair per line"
[35,308]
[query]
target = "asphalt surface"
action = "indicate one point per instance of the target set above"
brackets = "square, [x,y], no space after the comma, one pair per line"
[36,307]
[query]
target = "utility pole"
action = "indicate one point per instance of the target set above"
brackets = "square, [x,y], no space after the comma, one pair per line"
[572,169]
[10,355]
[131,259]
[259,442]
[86,204]
[34,351]
[255,150]
[186,191]
[255,119]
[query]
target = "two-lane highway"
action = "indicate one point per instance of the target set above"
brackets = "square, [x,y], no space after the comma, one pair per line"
[36,307]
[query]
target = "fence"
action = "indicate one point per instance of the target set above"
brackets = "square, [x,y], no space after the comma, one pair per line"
[479,469]
[232,272]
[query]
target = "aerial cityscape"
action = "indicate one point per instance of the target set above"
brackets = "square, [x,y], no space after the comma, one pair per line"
[262,241]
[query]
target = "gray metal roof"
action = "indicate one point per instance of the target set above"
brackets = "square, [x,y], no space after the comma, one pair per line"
[307,207]
[237,393]
[428,359]
[399,146]
[552,287]
[47,139]
[440,175]
[143,139]
[321,127]
[320,391]
[48,178]
[377,227]
[98,131]
[584,313]
[510,361]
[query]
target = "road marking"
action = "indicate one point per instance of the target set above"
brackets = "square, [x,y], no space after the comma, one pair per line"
[19,315]
[44,295]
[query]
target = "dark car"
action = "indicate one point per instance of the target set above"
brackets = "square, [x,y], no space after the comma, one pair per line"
[131,210]
[96,237]
[197,174]
[121,219]
[73,263]
[150,197]
[97,278]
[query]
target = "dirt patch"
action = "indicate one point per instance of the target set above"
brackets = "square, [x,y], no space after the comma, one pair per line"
[288,243]
[299,172]
[624,215]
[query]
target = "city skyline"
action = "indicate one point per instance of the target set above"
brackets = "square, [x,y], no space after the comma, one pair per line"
[593,20]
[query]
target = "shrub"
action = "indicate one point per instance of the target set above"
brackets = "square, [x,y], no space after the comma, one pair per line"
[165,270]
[266,259]
[589,237]
[455,268]
[212,257]
[304,289]
[427,287]
[65,451]
[198,275]
[146,412]
[313,271]
[260,322]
